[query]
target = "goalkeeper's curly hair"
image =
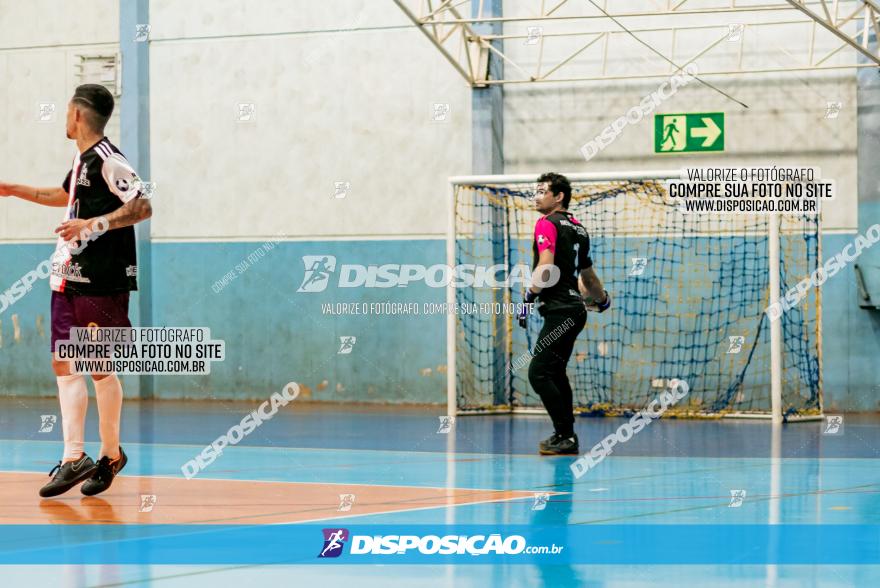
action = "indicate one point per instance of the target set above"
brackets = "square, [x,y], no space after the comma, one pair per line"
[559,184]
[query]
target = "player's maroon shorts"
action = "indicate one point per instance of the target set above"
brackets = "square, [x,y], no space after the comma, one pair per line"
[75,310]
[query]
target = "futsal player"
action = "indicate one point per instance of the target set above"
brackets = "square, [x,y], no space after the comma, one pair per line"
[90,281]
[561,241]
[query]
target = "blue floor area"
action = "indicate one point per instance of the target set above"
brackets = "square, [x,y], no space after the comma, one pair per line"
[475,576]
[621,490]
[673,472]
[407,428]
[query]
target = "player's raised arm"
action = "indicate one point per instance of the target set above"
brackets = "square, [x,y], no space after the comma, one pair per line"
[45,196]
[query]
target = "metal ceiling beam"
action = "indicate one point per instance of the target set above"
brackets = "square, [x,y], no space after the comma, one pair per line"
[433,35]
[454,35]
[830,22]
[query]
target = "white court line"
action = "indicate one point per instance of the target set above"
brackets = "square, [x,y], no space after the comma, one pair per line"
[250,481]
[396,451]
[484,455]
[349,484]
[418,509]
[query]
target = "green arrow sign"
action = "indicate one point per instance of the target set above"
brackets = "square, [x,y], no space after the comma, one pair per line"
[693,131]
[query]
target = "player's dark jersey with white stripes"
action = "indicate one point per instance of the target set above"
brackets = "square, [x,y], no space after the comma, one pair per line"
[100,181]
[562,234]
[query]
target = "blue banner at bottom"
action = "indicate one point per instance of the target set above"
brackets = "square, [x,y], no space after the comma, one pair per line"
[439,544]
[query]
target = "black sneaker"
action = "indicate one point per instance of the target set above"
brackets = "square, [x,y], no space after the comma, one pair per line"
[68,475]
[104,474]
[559,445]
[549,441]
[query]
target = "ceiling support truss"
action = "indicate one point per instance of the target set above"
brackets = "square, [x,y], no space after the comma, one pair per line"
[467,43]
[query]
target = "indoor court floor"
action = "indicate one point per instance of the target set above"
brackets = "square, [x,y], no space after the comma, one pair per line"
[402,471]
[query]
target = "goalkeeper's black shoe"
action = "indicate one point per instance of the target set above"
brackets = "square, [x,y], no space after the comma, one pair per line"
[559,445]
[67,475]
[548,441]
[104,474]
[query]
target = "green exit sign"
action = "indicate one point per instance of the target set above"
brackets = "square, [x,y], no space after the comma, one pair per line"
[688,132]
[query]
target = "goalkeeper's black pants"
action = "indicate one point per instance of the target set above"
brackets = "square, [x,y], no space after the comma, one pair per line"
[547,369]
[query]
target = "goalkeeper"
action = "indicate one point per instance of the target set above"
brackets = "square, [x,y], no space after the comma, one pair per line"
[561,249]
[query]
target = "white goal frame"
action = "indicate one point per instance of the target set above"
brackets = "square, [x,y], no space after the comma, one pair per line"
[773,249]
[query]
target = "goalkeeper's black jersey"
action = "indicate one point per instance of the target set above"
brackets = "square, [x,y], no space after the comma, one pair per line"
[562,234]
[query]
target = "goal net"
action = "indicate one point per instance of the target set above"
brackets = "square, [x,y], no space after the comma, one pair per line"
[689,293]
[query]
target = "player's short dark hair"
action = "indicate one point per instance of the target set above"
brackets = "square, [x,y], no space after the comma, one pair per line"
[559,184]
[98,103]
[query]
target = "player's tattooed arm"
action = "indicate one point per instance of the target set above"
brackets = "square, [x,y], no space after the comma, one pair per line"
[590,285]
[130,213]
[44,196]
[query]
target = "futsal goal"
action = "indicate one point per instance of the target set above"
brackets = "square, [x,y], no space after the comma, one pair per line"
[689,293]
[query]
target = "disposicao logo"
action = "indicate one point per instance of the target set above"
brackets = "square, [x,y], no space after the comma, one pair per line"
[320,268]
[334,541]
